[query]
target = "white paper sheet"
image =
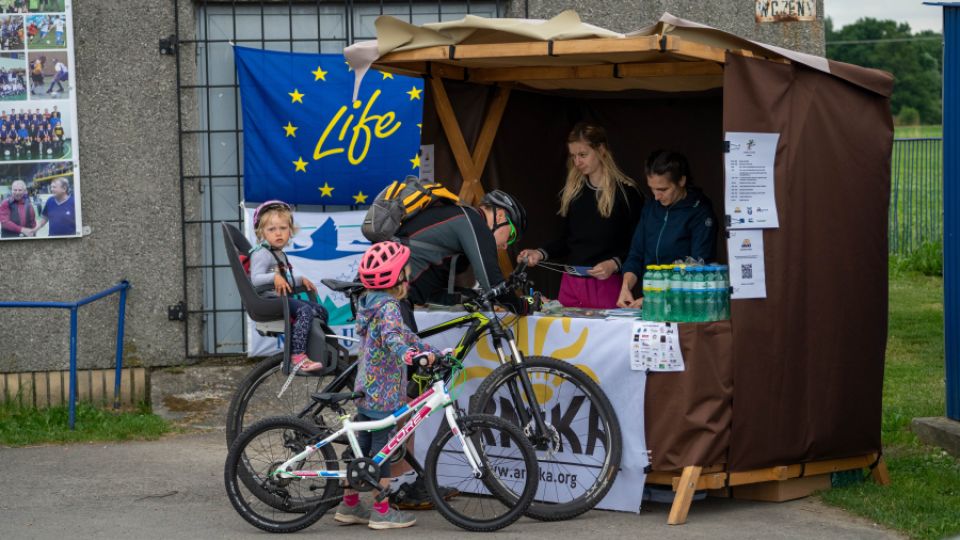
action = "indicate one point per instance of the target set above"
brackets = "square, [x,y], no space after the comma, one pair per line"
[655,346]
[748,190]
[747,271]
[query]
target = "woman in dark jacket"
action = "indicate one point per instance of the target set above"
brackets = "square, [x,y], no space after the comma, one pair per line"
[680,223]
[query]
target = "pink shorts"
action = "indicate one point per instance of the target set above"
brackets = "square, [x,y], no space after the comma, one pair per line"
[589,292]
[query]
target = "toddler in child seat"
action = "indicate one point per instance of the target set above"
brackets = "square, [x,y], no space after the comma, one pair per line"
[387,346]
[273,224]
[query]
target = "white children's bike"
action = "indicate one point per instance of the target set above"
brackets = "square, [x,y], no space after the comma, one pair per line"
[282,474]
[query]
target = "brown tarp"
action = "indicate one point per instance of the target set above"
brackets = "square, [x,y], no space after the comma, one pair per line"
[688,414]
[808,359]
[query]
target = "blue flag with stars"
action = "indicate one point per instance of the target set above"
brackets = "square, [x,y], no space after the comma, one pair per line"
[305,142]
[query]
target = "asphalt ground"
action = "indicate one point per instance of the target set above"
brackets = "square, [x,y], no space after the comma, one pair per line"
[173,488]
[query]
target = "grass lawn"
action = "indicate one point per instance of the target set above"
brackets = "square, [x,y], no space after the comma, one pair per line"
[28,426]
[923,499]
[917,132]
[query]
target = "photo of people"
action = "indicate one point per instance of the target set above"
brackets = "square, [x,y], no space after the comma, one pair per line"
[49,74]
[47,31]
[37,200]
[11,32]
[46,6]
[37,133]
[13,80]
[13,6]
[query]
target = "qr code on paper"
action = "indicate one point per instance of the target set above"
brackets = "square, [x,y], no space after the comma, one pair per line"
[746,271]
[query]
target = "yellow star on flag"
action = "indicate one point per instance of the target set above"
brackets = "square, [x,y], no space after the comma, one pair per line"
[414,93]
[420,127]
[326,190]
[415,161]
[360,198]
[349,67]
[290,129]
[296,96]
[300,164]
[319,74]
[386,75]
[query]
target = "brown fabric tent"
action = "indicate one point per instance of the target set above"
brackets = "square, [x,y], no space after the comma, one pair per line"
[791,379]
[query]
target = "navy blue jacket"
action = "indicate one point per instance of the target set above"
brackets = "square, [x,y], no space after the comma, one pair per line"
[663,235]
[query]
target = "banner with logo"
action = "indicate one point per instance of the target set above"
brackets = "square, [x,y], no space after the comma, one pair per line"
[601,348]
[327,245]
[39,170]
[306,142]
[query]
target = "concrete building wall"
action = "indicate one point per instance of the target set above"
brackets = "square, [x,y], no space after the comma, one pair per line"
[130,178]
[130,190]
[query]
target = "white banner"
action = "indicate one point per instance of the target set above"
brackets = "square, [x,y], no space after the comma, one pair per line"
[327,245]
[601,348]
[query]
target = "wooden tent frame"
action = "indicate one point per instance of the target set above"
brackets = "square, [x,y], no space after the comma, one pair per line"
[673,57]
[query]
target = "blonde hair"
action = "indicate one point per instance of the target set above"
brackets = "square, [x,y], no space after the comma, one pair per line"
[268,215]
[610,179]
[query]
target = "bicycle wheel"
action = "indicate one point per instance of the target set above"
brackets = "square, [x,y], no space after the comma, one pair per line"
[256,397]
[580,454]
[284,504]
[508,467]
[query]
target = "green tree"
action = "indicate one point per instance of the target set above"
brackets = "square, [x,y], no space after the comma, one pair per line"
[915,60]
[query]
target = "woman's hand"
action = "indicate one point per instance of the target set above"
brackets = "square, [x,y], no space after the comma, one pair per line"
[603,269]
[626,298]
[281,285]
[532,256]
[308,285]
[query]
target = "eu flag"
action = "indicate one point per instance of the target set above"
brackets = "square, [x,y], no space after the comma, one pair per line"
[305,142]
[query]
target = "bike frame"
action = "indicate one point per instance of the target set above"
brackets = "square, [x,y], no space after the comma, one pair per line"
[434,398]
[477,324]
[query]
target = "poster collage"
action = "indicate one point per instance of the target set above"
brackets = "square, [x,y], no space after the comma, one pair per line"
[39,177]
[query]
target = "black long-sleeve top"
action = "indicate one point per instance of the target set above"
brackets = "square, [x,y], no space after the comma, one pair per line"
[587,238]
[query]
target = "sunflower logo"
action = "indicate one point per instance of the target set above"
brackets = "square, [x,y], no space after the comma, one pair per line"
[541,336]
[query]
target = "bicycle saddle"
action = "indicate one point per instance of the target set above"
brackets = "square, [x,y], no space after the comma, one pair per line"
[345,287]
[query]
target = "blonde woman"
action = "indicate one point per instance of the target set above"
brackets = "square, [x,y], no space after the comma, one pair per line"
[600,206]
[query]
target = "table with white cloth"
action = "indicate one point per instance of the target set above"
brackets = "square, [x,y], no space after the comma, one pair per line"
[599,347]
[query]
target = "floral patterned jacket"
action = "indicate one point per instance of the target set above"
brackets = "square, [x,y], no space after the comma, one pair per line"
[384,340]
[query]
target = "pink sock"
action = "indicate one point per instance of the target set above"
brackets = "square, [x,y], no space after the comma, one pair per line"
[383,506]
[352,499]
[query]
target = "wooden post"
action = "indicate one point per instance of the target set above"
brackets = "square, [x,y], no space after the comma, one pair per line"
[471,166]
[684,495]
[880,474]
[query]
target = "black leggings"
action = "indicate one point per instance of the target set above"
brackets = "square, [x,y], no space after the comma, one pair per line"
[303,314]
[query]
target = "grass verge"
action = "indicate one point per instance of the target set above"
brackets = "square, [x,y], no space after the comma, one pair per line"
[27,426]
[923,498]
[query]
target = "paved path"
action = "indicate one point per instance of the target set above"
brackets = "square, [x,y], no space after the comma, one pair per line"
[173,488]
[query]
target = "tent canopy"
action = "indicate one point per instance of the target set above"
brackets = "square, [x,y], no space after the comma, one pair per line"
[564,53]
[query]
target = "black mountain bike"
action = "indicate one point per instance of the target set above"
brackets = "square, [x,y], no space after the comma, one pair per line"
[564,413]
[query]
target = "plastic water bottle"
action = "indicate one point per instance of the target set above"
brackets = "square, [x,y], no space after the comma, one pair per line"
[657,294]
[698,295]
[674,309]
[648,280]
[724,278]
[711,275]
[686,293]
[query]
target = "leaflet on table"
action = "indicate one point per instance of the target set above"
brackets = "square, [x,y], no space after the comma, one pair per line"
[748,191]
[655,346]
[747,272]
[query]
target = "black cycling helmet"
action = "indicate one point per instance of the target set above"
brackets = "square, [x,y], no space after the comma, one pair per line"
[515,212]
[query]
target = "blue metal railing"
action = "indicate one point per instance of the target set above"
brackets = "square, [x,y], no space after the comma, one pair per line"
[74,308]
[916,194]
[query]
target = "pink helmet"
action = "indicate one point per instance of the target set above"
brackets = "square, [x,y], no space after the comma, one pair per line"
[382,264]
[269,205]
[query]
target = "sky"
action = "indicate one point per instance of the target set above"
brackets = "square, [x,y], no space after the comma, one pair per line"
[914,12]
